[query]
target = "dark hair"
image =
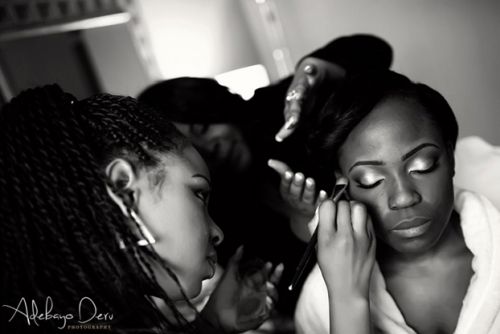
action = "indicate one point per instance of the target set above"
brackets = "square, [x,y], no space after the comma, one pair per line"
[194,100]
[59,227]
[356,53]
[358,97]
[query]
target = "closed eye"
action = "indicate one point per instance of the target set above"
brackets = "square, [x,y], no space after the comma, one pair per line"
[201,188]
[425,171]
[423,167]
[203,195]
[369,186]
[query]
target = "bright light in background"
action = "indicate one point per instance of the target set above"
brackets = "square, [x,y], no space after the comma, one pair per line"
[244,81]
[198,38]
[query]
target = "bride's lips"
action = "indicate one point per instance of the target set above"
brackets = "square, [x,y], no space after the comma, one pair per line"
[412,228]
[212,262]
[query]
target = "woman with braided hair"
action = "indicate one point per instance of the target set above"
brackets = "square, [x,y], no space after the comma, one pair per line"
[104,222]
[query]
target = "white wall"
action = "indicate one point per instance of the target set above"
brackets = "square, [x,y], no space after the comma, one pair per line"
[451,45]
[116,60]
[198,37]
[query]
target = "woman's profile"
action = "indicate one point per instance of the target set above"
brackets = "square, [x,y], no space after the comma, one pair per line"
[104,220]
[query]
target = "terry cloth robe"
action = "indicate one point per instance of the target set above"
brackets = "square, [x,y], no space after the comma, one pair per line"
[477,168]
[480,313]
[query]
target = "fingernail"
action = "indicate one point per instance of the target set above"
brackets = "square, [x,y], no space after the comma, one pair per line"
[290,123]
[322,194]
[278,138]
[341,180]
[239,251]
[270,162]
[299,177]
[288,175]
[310,69]
[309,182]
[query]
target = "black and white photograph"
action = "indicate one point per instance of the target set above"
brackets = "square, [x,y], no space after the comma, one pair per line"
[250,166]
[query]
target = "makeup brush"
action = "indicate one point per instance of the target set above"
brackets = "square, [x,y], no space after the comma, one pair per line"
[337,192]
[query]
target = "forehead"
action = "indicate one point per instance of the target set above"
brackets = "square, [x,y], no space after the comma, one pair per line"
[184,162]
[393,125]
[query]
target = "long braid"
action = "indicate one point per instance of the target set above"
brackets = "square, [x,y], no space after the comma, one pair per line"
[153,140]
[54,199]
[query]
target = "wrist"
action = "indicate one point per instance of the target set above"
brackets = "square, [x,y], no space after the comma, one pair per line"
[351,315]
[344,298]
[353,301]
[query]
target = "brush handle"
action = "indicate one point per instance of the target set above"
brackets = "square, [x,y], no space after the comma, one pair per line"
[311,245]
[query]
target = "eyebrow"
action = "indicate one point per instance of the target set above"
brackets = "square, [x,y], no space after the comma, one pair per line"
[204,178]
[416,149]
[403,158]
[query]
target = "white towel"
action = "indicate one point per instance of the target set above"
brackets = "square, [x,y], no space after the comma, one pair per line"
[480,313]
[477,168]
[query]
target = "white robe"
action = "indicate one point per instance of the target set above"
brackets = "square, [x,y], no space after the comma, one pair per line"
[480,313]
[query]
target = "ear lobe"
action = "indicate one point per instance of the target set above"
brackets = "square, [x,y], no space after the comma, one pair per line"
[121,177]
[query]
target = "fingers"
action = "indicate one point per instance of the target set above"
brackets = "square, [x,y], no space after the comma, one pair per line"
[272,283]
[322,196]
[279,166]
[234,261]
[295,185]
[272,292]
[327,213]
[288,128]
[277,273]
[285,173]
[344,225]
[309,193]
[293,106]
[349,219]
[359,217]
[371,235]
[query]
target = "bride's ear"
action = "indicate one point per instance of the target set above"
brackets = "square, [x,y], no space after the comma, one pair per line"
[121,183]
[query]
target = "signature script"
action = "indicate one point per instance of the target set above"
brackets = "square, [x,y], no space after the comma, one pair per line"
[34,315]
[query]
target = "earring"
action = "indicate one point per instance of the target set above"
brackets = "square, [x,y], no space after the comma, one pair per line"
[148,236]
[127,197]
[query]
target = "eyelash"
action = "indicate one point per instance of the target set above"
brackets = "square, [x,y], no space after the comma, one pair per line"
[421,171]
[203,195]
[370,186]
[428,170]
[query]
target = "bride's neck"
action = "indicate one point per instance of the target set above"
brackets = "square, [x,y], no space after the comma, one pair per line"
[450,244]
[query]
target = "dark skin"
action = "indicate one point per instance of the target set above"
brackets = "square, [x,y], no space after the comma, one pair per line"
[444,278]
[401,168]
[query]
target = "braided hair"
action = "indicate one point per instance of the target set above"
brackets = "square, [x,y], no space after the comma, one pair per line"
[59,227]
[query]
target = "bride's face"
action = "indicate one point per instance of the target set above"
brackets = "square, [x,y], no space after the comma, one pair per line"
[398,164]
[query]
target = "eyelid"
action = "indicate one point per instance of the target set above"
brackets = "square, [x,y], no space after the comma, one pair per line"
[422,165]
[370,182]
[369,186]
[203,193]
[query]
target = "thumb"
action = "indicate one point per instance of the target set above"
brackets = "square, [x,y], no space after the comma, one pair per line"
[234,261]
